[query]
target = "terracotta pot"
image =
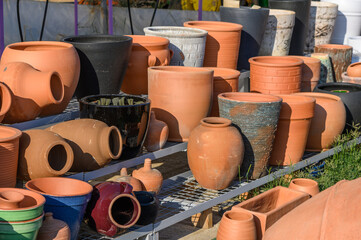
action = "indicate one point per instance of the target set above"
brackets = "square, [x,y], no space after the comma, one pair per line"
[112,206]
[43,154]
[149,205]
[222,45]
[305,185]
[181,97]
[268,207]
[347,79]
[10,200]
[256,116]
[94,143]
[124,177]
[6,99]
[21,230]
[276,75]
[328,121]
[44,56]
[53,229]
[147,51]
[215,153]
[9,150]
[292,131]
[311,68]
[151,179]
[354,70]
[31,90]
[341,56]
[157,134]
[224,80]
[237,224]
[326,74]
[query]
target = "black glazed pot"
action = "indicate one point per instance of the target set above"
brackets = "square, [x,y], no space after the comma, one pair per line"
[103,62]
[149,207]
[254,23]
[131,120]
[302,9]
[350,95]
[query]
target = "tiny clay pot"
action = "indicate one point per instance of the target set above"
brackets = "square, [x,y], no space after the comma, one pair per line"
[151,179]
[354,70]
[124,177]
[157,134]
[305,185]
[53,229]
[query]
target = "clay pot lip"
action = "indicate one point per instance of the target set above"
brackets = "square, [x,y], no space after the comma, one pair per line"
[40,199]
[353,65]
[215,26]
[15,133]
[281,12]
[148,41]
[103,39]
[293,104]
[325,55]
[271,61]
[181,69]
[345,75]
[15,46]
[333,46]
[85,100]
[69,155]
[224,73]
[248,216]
[135,200]
[193,32]
[307,59]
[323,4]
[24,222]
[318,95]
[249,97]
[309,182]
[6,92]
[86,188]
[215,122]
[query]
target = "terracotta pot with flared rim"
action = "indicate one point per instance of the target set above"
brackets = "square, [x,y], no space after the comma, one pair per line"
[276,75]
[224,80]
[237,224]
[256,116]
[43,154]
[9,150]
[31,90]
[44,56]
[157,134]
[341,56]
[328,121]
[222,45]
[181,97]
[6,100]
[147,51]
[124,177]
[305,185]
[354,70]
[27,229]
[326,73]
[347,79]
[53,229]
[215,152]
[311,68]
[292,130]
[66,198]
[94,144]
[150,178]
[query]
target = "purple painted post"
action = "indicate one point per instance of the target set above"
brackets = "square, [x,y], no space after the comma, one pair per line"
[200,9]
[76,17]
[110,17]
[1,27]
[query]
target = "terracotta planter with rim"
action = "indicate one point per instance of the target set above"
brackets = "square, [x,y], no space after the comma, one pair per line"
[6,99]
[181,97]
[311,68]
[292,130]
[347,79]
[222,45]
[354,70]
[305,185]
[147,51]
[276,75]
[44,56]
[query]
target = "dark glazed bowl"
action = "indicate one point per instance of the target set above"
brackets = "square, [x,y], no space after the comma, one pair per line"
[149,207]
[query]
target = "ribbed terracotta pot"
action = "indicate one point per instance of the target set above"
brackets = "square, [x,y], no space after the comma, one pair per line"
[256,116]
[347,79]
[354,70]
[31,90]
[94,143]
[326,74]
[124,177]
[222,45]
[6,99]
[147,51]
[275,75]
[53,229]
[44,56]
[157,134]
[305,185]
[151,179]
[311,68]
[215,152]
[328,121]
[292,131]
[181,97]
[9,152]
[43,154]
[341,56]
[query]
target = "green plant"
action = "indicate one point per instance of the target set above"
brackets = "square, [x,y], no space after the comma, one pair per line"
[122,101]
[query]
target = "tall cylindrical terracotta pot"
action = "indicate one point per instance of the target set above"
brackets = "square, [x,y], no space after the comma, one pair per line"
[275,75]
[6,100]
[311,68]
[147,51]
[215,152]
[181,97]
[292,130]
[222,45]
[45,56]
[9,153]
[256,116]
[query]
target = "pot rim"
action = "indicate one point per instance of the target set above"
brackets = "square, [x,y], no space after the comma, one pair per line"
[194,32]
[340,84]
[307,59]
[318,95]
[333,46]
[323,4]
[293,104]
[25,192]
[345,75]
[271,61]
[14,46]
[215,26]
[148,41]
[281,12]
[224,73]
[249,97]
[236,211]
[85,99]
[304,180]
[135,200]
[24,222]
[110,39]
[15,133]
[181,69]
[216,122]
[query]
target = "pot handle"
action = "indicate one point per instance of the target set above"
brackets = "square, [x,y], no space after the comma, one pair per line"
[152,60]
[166,62]
[127,187]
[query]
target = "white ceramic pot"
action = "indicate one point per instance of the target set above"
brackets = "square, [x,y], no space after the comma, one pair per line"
[231,3]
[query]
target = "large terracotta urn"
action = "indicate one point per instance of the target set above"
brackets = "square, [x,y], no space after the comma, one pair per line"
[6,99]
[48,56]
[150,178]
[311,69]
[147,51]
[215,152]
[222,45]
[181,97]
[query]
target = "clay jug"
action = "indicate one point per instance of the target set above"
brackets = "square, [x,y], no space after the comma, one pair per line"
[43,154]
[10,200]
[6,99]
[124,177]
[53,229]
[31,90]
[157,135]
[292,129]
[151,179]
[94,143]
[147,51]
[311,69]
[305,185]
[44,56]
[215,152]
[354,70]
